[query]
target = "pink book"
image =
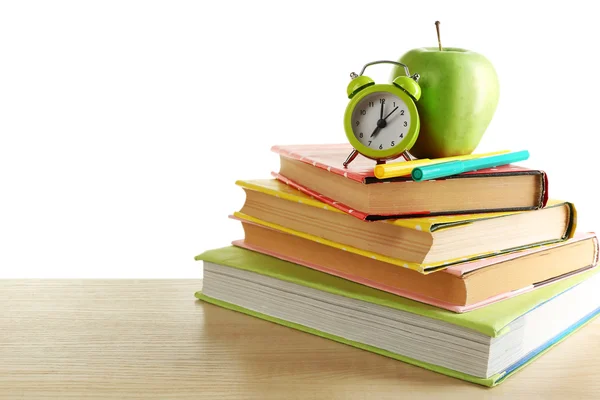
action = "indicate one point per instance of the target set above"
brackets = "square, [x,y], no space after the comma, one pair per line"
[505,188]
[461,270]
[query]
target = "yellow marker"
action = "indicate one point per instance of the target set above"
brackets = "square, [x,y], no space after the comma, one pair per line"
[405,168]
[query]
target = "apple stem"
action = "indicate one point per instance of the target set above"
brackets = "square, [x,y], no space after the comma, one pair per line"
[437,28]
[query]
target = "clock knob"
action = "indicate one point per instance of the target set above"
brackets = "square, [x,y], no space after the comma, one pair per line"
[357,84]
[409,85]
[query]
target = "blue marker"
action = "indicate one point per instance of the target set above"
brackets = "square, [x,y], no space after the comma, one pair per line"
[458,167]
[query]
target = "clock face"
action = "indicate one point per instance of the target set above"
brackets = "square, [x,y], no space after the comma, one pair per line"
[381,121]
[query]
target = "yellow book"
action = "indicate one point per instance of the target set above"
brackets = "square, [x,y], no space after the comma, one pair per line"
[424,244]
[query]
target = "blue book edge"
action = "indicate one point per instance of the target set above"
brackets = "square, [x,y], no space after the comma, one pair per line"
[546,346]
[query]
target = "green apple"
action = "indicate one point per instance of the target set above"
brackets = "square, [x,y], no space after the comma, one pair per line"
[460,92]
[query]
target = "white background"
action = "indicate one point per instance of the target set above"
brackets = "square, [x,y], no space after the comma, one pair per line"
[124,124]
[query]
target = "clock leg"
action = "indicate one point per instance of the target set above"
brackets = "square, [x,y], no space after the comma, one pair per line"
[407,156]
[380,162]
[351,157]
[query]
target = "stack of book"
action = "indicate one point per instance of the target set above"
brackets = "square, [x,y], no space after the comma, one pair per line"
[473,276]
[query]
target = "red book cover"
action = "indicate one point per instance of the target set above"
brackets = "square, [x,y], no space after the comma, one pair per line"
[330,157]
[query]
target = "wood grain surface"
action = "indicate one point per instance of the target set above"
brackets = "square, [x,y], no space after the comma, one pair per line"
[152,340]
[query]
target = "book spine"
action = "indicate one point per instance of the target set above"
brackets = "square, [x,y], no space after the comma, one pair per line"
[544,192]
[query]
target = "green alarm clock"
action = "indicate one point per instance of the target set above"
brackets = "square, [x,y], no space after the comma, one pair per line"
[381,120]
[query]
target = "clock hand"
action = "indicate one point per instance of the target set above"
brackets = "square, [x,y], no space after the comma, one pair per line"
[376,130]
[381,111]
[390,113]
[382,122]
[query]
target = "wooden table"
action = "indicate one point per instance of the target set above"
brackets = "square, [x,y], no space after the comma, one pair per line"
[153,340]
